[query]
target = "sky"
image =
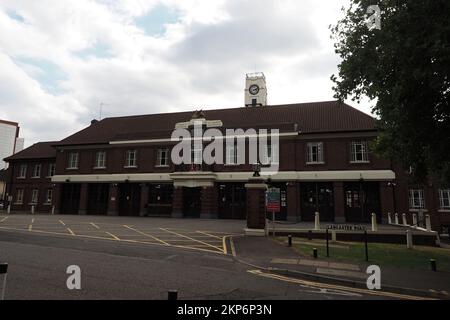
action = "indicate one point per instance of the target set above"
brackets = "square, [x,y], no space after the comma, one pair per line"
[61,62]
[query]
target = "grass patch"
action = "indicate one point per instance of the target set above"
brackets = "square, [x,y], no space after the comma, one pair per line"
[388,255]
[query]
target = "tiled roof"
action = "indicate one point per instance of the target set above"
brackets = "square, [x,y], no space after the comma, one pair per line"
[330,116]
[40,150]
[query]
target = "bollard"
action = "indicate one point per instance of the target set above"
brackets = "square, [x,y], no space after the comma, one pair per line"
[389,218]
[309,235]
[374,222]
[409,239]
[433,265]
[414,218]
[405,223]
[289,240]
[8,210]
[366,246]
[396,218]
[428,222]
[32,209]
[315,253]
[172,295]
[317,221]
[53,209]
[4,271]
[328,245]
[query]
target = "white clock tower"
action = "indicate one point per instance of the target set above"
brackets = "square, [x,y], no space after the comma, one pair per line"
[255,90]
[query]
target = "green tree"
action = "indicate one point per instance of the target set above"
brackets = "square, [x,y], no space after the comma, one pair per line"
[404,68]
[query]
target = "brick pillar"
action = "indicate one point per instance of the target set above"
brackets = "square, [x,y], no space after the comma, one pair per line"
[177,202]
[83,199]
[144,200]
[293,202]
[113,200]
[209,201]
[56,201]
[256,206]
[339,201]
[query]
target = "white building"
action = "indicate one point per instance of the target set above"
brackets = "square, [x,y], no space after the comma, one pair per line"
[10,143]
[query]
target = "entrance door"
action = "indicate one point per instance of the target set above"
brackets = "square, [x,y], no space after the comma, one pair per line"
[191,202]
[361,199]
[98,195]
[317,197]
[70,198]
[232,201]
[129,199]
[160,200]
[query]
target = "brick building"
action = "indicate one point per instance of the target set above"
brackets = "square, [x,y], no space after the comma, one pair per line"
[122,166]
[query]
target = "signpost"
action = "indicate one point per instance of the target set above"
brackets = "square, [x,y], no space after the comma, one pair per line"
[273,204]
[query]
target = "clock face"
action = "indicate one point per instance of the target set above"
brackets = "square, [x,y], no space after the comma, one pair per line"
[254,89]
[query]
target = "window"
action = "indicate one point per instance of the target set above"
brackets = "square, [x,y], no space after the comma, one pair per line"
[416,199]
[51,169]
[49,196]
[35,196]
[444,198]
[131,159]
[100,159]
[232,154]
[36,171]
[359,151]
[72,162]
[315,152]
[23,171]
[163,157]
[19,196]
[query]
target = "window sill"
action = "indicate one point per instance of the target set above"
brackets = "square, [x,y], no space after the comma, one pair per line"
[99,168]
[417,210]
[444,210]
[130,167]
[47,204]
[314,163]
[35,177]
[162,166]
[71,168]
[18,203]
[21,178]
[359,162]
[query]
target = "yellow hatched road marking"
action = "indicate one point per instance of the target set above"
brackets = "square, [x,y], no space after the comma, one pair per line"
[115,237]
[337,287]
[146,234]
[94,225]
[30,227]
[70,231]
[211,235]
[181,235]
[4,219]
[62,222]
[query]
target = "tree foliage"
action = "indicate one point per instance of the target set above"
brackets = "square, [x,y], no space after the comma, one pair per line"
[404,68]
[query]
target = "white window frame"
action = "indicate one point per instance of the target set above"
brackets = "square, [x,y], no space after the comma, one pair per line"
[51,169]
[72,160]
[416,199]
[22,171]
[160,160]
[131,161]
[34,196]
[231,155]
[37,171]
[19,196]
[315,157]
[444,199]
[100,160]
[364,152]
[49,196]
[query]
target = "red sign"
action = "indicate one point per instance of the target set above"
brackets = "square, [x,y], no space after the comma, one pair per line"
[273,200]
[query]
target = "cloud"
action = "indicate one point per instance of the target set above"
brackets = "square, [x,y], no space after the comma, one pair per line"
[61,60]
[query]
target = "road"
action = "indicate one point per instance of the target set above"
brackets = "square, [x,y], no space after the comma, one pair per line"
[137,268]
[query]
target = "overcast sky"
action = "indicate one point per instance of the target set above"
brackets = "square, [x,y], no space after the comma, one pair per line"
[60,60]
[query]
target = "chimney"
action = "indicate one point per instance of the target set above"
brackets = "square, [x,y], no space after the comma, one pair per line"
[94,121]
